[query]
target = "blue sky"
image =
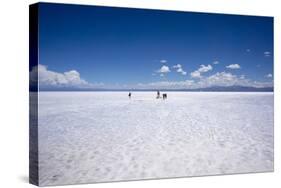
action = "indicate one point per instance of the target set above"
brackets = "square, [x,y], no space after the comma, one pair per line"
[89,46]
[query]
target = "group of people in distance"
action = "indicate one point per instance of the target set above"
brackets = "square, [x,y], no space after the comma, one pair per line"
[164,95]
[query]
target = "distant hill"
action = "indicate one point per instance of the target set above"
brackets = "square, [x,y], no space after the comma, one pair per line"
[235,88]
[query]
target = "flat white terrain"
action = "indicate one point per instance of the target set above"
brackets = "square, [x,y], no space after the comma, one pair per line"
[87,137]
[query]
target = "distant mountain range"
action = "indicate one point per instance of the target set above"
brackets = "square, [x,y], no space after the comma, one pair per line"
[209,89]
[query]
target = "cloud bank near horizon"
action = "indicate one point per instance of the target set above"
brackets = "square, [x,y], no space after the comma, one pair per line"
[71,79]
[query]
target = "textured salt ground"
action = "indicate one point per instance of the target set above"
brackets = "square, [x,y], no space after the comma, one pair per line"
[89,137]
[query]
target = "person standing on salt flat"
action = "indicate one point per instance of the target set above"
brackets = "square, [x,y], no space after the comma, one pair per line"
[130,94]
[164,96]
[158,94]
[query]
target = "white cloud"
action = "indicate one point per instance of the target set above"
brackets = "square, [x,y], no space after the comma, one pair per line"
[195,74]
[204,68]
[268,75]
[47,78]
[223,79]
[163,61]
[267,54]
[233,66]
[216,62]
[164,69]
[177,66]
[201,69]
[52,79]
[179,69]
[183,73]
[73,77]
[219,79]
[229,79]
[167,85]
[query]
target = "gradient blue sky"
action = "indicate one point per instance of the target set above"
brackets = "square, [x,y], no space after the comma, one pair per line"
[125,46]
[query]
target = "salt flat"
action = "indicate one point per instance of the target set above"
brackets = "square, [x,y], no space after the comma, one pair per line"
[104,136]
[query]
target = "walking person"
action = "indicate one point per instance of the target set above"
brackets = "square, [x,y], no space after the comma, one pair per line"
[130,94]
